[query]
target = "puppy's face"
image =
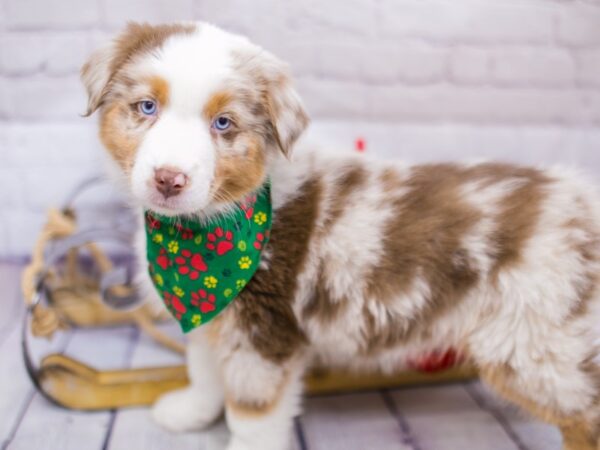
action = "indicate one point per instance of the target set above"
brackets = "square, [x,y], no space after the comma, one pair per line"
[191,114]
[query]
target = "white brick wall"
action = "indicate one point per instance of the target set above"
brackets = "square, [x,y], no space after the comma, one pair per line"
[420,79]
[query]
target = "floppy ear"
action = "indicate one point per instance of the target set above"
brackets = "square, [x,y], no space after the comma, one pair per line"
[96,74]
[286,112]
[288,115]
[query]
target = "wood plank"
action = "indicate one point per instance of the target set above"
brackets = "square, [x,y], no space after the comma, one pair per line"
[45,425]
[351,421]
[134,428]
[532,434]
[447,418]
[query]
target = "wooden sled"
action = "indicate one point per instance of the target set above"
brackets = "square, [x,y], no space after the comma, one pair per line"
[59,294]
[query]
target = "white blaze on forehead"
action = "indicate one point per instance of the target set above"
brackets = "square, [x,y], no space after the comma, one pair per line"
[196,65]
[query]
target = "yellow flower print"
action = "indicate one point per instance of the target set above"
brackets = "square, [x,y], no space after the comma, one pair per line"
[198,239]
[173,247]
[245,262]
[178,291]
[171,231]
[158,238]
[240,284]
[210,282]
[159,279]
[260,218]
[227,293]
[196,320]
[242,246]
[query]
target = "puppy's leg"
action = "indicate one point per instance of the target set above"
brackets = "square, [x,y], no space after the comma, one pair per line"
[262,399]
[563,395]
[199,404]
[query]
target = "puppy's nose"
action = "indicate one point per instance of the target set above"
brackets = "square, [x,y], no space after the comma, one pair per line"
[169,181]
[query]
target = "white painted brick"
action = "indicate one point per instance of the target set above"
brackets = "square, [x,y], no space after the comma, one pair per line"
[588,63]
[41,97]
[410,62]
[263,21]
[469,65]
[75,145]
[118,12]
[325,98]
[11,186]
[23,229]
[57,54]
[333,18]
[467,21]
[533,66]
[45,187]
[478,105]
[302,57]
[5,111]
[32,14]
[579,25]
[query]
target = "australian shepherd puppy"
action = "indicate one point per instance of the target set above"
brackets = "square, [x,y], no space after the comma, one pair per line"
[369,263]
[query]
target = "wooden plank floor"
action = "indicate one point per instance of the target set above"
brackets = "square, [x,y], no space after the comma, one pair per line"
[447,417]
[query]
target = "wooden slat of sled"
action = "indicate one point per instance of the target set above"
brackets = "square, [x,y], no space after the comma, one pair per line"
[65,380]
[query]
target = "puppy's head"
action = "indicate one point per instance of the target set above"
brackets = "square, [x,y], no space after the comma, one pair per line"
[191,114]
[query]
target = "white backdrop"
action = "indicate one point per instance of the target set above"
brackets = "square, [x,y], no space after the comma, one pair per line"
[419,79]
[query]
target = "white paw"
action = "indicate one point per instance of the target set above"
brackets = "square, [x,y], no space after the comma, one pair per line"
[185,410]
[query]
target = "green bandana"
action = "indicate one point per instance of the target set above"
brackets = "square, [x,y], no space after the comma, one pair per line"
[198,268]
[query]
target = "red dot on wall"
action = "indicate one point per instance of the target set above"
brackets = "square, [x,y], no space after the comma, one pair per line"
[360,145]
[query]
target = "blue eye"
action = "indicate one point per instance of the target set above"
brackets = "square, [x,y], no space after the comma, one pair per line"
[147,107]
[221,123]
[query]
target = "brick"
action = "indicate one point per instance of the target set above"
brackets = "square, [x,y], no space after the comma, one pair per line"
[533,66]
[478,105]
[39,97]
[588,63]
[11,187]
[578,25]
[28,53]
[75,145]
[469,65]
[45,187]
[325,98]
[33,14]
[23,227]
[118,12]
[468,22]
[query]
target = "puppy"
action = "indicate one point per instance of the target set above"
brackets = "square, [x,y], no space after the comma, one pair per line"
[369,264]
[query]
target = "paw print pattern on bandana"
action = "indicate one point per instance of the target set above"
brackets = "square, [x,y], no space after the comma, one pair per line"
[174,304]
[200,267]
[204,301]
[220,241]
[190,264]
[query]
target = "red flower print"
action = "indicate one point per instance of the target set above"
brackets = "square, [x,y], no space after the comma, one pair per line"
[174,304]
[162,260]
[220,241]
[203,300]
[190,264]
[259,241]
[186,233]
[153,222]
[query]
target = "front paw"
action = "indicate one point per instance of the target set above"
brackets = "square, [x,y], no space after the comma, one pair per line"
[186,409]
